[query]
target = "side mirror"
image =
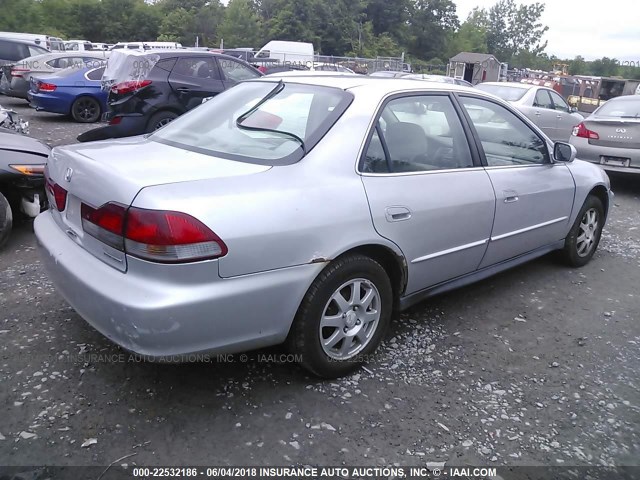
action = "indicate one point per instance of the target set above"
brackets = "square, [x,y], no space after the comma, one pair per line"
[564,152]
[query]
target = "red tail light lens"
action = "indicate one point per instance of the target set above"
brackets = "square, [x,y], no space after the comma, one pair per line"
[18,72]
[58,193]
[584,132]
[170,237]
[155,235]
[129,86]
[105,223]
[115,120]
[46,87]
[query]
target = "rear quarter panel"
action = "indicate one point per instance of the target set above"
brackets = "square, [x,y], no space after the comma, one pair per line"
[311,211]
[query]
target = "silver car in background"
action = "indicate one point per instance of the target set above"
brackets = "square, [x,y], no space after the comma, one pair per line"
[18,75]
[610,136]
[307,210]
[542,105]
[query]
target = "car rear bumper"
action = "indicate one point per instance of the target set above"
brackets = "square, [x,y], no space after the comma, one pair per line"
[172,317]
[595,154]
[129,126]
[43,101]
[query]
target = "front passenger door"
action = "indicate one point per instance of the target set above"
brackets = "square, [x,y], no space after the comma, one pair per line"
[534,196]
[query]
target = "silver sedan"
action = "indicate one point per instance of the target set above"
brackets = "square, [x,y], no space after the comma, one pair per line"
[542,105]
[308,210]
[610,136]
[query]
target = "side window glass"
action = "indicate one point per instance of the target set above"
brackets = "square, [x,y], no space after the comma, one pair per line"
[543,100]
[559,102]
[506,140]
[374,159]
[198,67]
[423,133]
[236,71]
[95,74]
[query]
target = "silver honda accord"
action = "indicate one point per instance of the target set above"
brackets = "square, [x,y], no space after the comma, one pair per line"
[308,210]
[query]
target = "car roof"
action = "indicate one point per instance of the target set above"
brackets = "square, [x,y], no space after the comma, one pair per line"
[23,42]
[384,84]
[524,86]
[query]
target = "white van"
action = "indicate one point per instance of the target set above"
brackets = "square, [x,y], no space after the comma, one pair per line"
[78,45]
[145,45]
[45,41]
[297,53]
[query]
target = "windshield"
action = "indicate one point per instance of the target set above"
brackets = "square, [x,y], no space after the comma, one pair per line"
[623,108]
[259,122]
[505,92]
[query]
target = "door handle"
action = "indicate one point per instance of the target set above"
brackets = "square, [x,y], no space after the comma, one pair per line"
[510,196]
[537,114]
[559,116]
[397,214]
[183,89]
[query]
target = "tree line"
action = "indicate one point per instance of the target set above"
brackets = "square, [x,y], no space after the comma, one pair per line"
[429,32]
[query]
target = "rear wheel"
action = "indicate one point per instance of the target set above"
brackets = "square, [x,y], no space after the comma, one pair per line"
[343,316]
[584,236]
[159,120]
[86,110]
[6,220]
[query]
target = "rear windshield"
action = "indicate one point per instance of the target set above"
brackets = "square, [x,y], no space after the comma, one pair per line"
[505,92]
[269,123]
[623,108]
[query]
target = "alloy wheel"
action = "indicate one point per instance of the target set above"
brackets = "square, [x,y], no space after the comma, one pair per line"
[588,232]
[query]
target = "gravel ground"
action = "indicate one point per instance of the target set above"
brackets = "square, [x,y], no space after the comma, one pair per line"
[536,366]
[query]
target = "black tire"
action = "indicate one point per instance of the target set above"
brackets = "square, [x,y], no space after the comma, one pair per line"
[583,238]
[86,110]
[160,119]
[6,220]
[307,334]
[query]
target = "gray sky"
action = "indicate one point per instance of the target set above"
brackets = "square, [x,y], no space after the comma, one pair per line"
[593,29]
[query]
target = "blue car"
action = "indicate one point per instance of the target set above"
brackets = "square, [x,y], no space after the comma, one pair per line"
[73,91]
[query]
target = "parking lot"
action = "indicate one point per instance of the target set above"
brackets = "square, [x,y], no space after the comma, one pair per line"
[536,366]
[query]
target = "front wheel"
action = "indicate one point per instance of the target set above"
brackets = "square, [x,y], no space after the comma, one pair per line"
[159,120]
[6,220]
[343,316]
[584,236]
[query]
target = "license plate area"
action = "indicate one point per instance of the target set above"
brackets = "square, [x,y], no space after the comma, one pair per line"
[615,161]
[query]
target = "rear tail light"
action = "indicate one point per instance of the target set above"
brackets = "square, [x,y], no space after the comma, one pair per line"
[46,87]
[155,235]
[129,86]
[18,72]
[115,120]
[583,132]
[58,194]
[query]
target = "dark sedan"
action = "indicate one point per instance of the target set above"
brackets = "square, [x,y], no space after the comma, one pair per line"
[176,83]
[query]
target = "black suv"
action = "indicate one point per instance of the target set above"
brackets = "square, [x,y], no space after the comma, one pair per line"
[178,82]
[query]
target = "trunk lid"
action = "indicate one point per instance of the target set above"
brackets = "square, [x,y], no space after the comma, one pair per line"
[614,131]
[116,170]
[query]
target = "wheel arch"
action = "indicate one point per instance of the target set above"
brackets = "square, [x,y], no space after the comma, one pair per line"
[167,108]
[87,95]
[393,263]
[600,192]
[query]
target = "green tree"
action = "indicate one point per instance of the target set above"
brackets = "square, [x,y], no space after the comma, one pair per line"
[241,25]
[430,25]
[174,26]
[578,66]
[470,37]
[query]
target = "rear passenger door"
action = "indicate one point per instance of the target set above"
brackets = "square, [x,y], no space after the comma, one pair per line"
[544,114]
[426,194]
[195,78]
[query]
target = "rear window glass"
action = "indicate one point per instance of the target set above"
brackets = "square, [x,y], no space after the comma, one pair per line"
[627,108]
[510,94]
[259,122]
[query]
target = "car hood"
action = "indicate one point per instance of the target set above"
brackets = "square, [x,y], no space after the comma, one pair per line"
[22,143]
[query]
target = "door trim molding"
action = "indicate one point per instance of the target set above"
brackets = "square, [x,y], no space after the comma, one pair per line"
[450,250]
[528,229]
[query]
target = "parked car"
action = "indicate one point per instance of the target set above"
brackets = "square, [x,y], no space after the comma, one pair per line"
[305,211]
[16,50]
[178,82]
[72,91]
[45,41]
[22,161]
[610,136]
[543,106]
[330,67]
[438,78]
[389,73]
[19,74]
